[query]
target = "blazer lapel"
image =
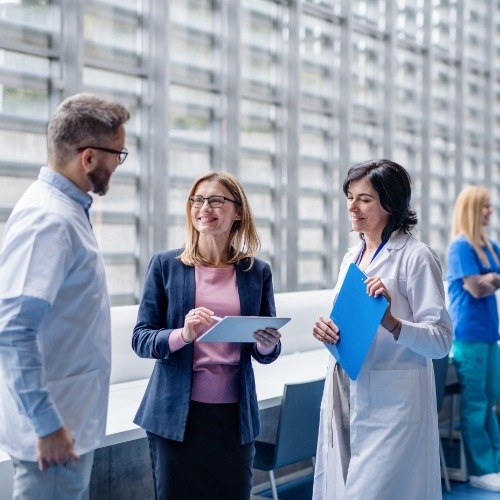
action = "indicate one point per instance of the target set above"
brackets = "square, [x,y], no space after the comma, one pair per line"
[243,289]
[189,298]
[243,286]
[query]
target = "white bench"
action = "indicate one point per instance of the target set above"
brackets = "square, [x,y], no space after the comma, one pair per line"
[302,359]
[302,307]
[126,365]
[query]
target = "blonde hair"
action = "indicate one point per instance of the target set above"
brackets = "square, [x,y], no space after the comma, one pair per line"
[467,217]
[243,241]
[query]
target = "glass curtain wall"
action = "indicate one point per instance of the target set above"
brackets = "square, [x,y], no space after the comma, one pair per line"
[285,94]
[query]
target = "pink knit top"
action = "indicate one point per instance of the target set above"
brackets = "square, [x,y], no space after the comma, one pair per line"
[215,365]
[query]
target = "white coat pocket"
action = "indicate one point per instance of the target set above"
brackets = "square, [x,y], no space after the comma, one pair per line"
[395,396]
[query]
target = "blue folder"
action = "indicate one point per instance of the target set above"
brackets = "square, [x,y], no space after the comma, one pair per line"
[358,316]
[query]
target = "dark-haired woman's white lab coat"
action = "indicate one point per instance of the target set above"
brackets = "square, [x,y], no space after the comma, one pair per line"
[394,441]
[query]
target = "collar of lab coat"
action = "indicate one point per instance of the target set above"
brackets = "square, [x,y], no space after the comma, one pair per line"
[396,242]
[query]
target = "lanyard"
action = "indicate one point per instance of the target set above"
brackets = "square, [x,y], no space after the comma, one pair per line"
[360,255]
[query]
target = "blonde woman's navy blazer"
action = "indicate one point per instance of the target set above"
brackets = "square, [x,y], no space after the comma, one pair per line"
[169,294]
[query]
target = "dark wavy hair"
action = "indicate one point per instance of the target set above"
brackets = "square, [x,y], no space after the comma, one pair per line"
[393,185]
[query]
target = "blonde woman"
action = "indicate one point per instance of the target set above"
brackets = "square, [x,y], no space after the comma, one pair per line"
[473,277]
[200,407]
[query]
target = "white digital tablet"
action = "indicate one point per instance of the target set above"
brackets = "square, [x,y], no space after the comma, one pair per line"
[240,328]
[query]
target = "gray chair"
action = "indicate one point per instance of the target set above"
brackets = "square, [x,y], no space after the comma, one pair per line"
[440,373]
[297,433]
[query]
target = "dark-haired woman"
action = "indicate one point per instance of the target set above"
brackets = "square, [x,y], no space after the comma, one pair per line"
[378,435]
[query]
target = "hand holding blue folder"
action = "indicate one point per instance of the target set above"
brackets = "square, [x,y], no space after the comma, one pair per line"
[358,316]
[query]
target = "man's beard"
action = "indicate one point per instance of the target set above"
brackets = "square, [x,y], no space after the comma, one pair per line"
[99,178]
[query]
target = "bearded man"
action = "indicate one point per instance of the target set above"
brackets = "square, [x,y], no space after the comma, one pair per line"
[55,332]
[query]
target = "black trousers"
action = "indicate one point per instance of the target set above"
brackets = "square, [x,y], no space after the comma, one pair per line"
[210,464]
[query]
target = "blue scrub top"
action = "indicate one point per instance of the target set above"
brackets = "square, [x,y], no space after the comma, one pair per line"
[473,319]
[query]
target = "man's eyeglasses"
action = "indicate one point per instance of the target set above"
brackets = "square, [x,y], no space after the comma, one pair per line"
[213,201]
[122,155]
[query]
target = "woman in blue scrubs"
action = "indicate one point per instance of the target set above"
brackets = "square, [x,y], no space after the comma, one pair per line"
[473,277]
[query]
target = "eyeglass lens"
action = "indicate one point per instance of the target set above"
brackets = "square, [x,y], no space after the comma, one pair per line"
[213,201]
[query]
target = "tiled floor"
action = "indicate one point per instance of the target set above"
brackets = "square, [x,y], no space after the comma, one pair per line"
[459,491]
[302,490]
[462,491]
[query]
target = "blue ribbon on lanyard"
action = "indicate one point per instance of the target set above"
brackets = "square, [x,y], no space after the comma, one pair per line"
[360,255]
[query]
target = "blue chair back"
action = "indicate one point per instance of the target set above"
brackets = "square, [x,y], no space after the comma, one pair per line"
[440,373]
[297,434]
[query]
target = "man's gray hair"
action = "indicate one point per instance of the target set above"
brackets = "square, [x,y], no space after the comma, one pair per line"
[83,120]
